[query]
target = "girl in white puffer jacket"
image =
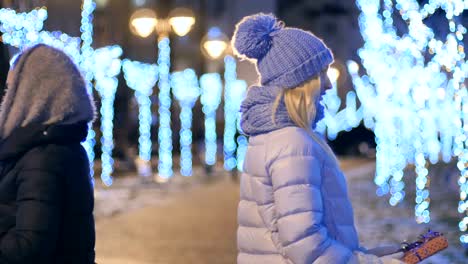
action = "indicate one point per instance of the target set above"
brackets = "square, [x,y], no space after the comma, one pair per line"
[294,205]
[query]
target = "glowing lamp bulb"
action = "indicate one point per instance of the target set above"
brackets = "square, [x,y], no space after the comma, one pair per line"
[333,74]
[143,22]
[215,48]
[182,25]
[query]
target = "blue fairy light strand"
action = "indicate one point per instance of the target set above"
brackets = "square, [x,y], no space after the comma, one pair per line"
[21,29]
[211,92]
[107,66]
[165,132]
[413,79]
[230,115]
[237,94]
[186,90]
[86,60]
[142,77]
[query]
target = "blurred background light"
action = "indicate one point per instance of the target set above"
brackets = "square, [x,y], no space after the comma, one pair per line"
[143,22]
[211,92]
[186,90]
[214,43]
[181,20]
[142,77]
[107,66]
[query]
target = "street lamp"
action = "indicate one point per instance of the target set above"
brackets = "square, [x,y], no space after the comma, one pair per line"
[181,20]
[213,46]
[214,43]
[142,23]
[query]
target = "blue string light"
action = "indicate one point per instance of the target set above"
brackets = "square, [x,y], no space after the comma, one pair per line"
[165,132]
[142,77]
[69,45]
[230,114]
[107,66]
[186,91]
[414,95]
[211,91]
[237,95]
[335,121]
[461,142]
[86,61]
[21,29]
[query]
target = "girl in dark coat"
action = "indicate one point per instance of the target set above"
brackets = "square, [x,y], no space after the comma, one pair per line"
[46,195]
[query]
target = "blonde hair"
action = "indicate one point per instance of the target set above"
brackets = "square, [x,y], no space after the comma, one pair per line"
[301,107]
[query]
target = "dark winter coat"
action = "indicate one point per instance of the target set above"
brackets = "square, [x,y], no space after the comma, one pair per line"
[46,196]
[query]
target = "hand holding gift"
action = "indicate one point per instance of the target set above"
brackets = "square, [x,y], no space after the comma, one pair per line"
[427,245]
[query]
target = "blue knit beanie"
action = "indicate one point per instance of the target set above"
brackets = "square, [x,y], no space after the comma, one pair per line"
[285,57]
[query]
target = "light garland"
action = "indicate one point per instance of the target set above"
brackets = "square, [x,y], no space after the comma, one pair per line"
[165,132]
[237,94]
[335,121]
[142,77]
[86,60]
[230,115]
[461,150]
[415,103]
[186,91]
[234,93]
[107,66]
[211,91]
[21,29]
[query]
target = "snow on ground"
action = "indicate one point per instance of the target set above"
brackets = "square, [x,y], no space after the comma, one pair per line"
[193,220]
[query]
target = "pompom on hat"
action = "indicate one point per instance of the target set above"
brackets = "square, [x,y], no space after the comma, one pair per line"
[285,57]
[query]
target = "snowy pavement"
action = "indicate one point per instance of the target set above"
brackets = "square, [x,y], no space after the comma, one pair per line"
[379,223]
[194,220]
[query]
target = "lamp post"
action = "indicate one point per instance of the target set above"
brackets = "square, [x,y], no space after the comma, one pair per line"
[213,45]
[143,23]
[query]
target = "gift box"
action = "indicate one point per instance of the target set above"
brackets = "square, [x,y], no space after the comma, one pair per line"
[427,245]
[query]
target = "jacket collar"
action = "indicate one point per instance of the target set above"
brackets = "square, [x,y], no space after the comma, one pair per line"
[25,138]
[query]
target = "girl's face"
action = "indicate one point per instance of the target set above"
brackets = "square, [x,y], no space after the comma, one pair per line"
[325,85]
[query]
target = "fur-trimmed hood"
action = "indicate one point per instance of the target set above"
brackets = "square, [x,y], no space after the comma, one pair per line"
[44,86]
